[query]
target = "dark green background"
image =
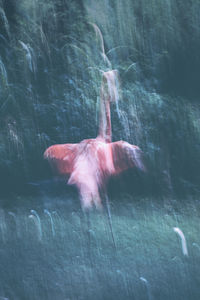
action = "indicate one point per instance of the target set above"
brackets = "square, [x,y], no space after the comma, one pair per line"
[50,62]
[50,78]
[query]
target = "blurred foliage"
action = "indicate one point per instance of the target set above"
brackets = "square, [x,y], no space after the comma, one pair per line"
[50,75]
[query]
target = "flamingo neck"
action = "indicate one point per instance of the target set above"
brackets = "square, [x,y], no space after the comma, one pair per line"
[105,130]
[108,93]
[108,123]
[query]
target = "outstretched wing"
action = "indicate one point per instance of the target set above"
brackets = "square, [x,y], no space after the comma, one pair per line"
[61,157]
[126,156]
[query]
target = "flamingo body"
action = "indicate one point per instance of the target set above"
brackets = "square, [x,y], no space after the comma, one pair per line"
[62,157]
[90,163]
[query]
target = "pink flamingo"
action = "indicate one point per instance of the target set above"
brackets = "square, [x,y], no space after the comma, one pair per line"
[90,163]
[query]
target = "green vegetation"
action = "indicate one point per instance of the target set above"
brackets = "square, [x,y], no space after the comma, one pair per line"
[67,261]
[50,73]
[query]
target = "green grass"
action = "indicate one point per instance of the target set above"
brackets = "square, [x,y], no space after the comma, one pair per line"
[75,263]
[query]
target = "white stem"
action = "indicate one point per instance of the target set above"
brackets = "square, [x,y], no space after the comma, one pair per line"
[183,240]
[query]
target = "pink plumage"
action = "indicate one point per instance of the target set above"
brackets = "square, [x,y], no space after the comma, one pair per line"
[91,162]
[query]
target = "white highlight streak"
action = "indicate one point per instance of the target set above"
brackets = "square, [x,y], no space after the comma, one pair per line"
[183,240]
[51,220]
[147,287]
